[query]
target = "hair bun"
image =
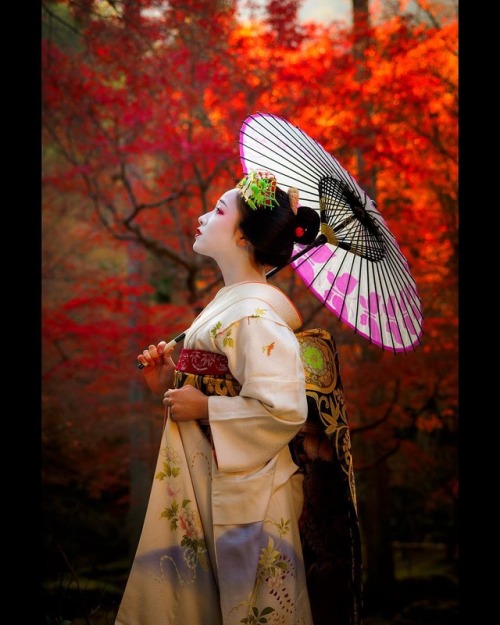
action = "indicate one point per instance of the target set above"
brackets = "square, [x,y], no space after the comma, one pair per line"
[306,225]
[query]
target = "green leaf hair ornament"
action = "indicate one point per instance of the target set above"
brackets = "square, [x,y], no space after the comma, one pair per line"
[258,188]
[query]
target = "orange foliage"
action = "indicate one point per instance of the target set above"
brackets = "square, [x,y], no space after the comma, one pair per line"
[141,119]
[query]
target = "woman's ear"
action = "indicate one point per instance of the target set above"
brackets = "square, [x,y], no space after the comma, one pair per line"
[241,240]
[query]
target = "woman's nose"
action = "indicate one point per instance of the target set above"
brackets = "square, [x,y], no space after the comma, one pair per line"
[202,219]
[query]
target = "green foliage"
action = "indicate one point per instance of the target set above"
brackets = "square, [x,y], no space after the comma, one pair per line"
[60,26]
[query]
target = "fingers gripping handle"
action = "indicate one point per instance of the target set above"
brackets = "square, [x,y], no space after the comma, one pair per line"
[172,343]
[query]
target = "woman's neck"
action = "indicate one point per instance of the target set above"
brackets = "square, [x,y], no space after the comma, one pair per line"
[234,274]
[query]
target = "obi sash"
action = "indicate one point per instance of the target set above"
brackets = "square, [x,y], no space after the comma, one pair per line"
[206,371]
[202,362]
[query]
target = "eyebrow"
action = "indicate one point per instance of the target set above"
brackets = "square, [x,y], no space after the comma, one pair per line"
[222,202]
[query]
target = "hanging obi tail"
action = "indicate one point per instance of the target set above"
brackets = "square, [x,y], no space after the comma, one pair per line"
[329,523]
[322,450]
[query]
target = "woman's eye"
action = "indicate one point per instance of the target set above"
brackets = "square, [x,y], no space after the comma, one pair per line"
[218,210]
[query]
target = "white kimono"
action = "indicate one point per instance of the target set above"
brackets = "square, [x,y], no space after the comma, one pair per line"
[220,543]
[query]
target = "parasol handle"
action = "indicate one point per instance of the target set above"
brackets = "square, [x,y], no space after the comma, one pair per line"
[172,343]
[319,240]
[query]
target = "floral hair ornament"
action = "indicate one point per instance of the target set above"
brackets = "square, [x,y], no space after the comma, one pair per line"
[293,195]
[258,188]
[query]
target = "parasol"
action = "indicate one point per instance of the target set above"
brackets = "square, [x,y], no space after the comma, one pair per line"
[355,266]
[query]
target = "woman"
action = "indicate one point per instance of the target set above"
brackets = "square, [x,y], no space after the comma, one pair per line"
[220,543]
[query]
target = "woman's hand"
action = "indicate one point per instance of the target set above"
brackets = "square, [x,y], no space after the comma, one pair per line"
[186,403]
[158,368]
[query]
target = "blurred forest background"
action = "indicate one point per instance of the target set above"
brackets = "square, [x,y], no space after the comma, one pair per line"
[142,104]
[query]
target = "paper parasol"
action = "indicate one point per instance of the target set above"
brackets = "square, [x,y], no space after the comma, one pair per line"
[355,267]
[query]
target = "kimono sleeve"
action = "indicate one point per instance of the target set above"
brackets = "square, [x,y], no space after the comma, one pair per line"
[251,428]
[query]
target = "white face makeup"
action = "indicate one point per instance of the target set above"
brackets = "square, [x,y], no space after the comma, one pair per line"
[218,234]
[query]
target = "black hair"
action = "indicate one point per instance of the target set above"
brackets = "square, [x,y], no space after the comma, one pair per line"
[273,231]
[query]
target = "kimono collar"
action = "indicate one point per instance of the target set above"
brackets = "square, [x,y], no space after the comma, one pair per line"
[273,296]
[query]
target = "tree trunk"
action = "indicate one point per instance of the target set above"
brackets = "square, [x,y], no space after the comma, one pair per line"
[374,506]
[139,429]
[361,24]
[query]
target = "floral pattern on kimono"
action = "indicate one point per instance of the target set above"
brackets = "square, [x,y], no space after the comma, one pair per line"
[220,543]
